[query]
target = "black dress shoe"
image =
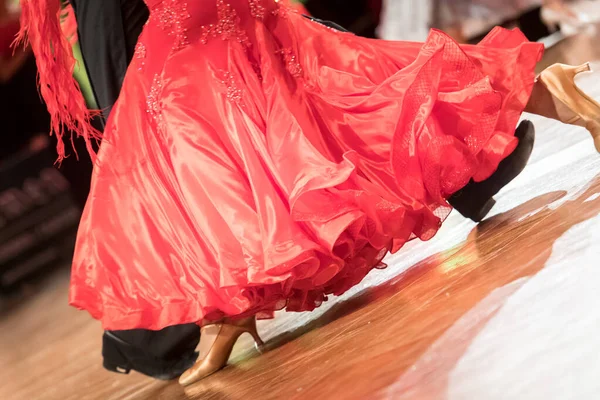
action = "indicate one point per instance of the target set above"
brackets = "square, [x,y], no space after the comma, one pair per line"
[163,354]
[475,200]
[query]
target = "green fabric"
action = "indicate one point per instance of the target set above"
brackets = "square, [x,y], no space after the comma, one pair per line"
[81,76]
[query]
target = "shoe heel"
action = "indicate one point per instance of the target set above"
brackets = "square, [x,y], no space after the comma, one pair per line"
[251,329]
[470,204]
[571,71]
[113,360]
[484,211]
[115,368]
[583,68]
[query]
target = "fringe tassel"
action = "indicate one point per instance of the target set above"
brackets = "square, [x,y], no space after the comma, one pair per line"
[68,24]
[40,28]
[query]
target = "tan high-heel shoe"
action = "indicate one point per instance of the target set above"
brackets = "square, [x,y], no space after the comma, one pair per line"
[571,104]
[216,343]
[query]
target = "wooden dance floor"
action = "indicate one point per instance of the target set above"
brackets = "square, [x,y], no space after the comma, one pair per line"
[507,309]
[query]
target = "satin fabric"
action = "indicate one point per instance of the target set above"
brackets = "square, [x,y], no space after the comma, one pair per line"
[257,160]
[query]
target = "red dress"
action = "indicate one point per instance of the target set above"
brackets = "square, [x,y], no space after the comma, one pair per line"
[258,161]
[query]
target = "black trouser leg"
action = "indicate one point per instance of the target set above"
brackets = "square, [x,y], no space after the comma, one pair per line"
[163,354]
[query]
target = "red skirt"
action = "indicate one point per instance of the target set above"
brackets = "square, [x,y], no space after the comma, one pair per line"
[258,161]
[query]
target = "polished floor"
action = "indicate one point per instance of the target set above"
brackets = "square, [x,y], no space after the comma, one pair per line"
[507,309]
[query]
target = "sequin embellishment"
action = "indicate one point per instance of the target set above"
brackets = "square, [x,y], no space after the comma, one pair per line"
[291,62]
[257,10]
[140,55]
[154,104]
[171,18]
[234,93]
[283,11]
[227,28]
